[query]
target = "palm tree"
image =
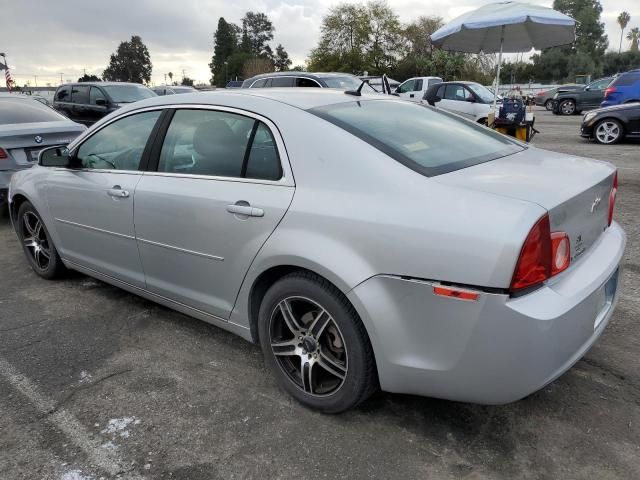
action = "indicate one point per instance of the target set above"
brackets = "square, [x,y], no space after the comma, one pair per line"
[634,36]
[170,77]
[623,21]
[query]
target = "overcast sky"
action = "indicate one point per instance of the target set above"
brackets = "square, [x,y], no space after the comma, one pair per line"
[46,37]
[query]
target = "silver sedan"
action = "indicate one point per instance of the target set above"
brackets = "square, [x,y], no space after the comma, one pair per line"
[364,241]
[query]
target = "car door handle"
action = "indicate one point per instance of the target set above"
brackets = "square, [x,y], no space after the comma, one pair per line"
[117,192]
[247,210]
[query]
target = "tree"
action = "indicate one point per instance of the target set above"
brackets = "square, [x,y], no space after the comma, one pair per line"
[187,81]
[282,61]
[257,31]
[170,75]
[299,68]
[615,62]
[634,37]
[623,21]
[225,42]
[89,78]
[130,63]
[256,66]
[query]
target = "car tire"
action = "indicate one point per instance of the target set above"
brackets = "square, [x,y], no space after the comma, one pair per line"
[548,105]
[608,131]
[37,243]
[315,344]
[567,107]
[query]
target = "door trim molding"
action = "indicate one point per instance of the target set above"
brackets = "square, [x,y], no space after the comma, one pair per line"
[183,250]
[95,229]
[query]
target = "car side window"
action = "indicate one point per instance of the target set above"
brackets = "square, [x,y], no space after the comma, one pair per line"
[282,82]
[406,86]
[63,94]
[306,82]
[220,144]
[441,92]
[600,84]
[259,83]
[418,86]
[96,94]
[119,145]
[80,94]
[457,92]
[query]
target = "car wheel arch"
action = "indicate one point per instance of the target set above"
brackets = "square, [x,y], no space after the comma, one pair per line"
[604,119]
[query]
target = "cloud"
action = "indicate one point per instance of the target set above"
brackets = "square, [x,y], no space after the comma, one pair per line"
[72,36]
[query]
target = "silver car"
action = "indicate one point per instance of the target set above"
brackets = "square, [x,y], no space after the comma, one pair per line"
[26,127]
[363,241]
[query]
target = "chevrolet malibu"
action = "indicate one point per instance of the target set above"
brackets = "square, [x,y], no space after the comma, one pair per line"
[364,242]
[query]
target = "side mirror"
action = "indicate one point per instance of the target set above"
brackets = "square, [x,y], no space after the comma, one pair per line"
[101,102]
[471,100]
[397,90]
[587,88]
[54,157]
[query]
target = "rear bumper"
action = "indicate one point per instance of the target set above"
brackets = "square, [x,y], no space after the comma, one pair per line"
[497,349]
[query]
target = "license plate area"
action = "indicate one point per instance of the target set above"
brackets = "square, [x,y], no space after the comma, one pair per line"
[606,294]
[32,154]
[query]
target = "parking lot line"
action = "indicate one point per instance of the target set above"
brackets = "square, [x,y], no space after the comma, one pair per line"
[103,458]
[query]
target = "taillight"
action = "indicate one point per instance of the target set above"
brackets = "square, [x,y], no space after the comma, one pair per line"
[608,91]
[560,252]
[543,255]
[3,154]
[612,196]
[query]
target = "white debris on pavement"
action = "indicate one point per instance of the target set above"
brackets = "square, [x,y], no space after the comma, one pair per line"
[117,426]
[76,475]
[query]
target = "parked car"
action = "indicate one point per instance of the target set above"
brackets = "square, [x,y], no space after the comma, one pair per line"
[469,99]
[333,252]
[624,89]
[610,125]
[88,102]
[339,81]
[173,89]
[545,98]
[575,101]
[234,84]
[26,127]
[416,87]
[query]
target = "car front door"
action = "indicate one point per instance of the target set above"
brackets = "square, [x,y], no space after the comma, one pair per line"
[80,104]
[456,100]
[593,94]
[97,107]
[221,186]
[92,203]
[407,88]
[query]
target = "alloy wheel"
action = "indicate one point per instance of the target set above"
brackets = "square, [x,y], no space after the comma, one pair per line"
[34,238]
[568,107]
[608,132]
[308,346]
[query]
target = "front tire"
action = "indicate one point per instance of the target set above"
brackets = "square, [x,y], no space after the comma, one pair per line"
[548,105]
[608,131]
[315,344]
[567,107]
[37,244]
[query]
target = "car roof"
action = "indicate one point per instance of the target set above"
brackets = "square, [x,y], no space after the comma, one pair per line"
[302,74]
[103,84]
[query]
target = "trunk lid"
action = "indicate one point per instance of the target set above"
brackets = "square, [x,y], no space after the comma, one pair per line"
[574,190]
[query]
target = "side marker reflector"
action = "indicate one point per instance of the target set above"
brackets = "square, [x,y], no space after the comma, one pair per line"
[456,293]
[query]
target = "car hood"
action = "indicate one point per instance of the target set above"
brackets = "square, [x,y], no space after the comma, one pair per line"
[535,175]
[613,108]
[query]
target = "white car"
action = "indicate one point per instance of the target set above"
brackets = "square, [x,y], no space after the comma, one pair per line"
[469,99]
[415,88]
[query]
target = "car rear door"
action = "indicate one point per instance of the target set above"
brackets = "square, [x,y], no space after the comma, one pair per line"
[92,203]
[221,185]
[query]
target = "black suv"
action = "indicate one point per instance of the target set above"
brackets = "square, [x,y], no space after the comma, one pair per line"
[575,101]
[88,102]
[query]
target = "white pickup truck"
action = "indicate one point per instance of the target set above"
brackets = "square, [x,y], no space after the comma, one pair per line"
[415,88]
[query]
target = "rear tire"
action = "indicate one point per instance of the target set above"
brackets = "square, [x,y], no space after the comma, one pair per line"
[37,244]
[608,131]
[315,344]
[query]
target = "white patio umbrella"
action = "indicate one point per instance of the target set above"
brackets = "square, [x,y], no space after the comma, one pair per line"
[507,27]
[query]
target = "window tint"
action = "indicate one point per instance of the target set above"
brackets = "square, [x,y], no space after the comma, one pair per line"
[418,86]
[96,94]
[417,136]
[441,92]
[627,79]
[406,86]
[259,83]
[282,82]
[128,93]
[63,94]
[263,162]
[23,110]
[206,142]
[600,84]
[80,94]
[457,92]
[119,145]
[306,82]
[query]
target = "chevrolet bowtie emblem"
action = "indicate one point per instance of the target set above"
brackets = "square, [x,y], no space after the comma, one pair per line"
[595,204]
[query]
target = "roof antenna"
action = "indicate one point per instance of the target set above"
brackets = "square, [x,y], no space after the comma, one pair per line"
[356,93]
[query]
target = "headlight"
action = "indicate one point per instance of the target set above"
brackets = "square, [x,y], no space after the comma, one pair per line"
[588,117]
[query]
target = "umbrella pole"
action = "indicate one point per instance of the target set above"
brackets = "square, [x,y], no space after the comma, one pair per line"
[495,97]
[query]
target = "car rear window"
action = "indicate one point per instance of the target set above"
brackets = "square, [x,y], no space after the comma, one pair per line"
[426,140]
[626,79]
[13,111]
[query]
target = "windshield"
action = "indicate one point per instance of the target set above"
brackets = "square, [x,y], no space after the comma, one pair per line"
[23,110]
[483,93]
[346,83]
[426,140]
[128,93]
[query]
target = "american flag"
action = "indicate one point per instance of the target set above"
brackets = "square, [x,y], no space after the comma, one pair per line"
[7,77]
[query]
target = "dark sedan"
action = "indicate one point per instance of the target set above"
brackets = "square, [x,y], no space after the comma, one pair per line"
[587,98]
[609,125]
